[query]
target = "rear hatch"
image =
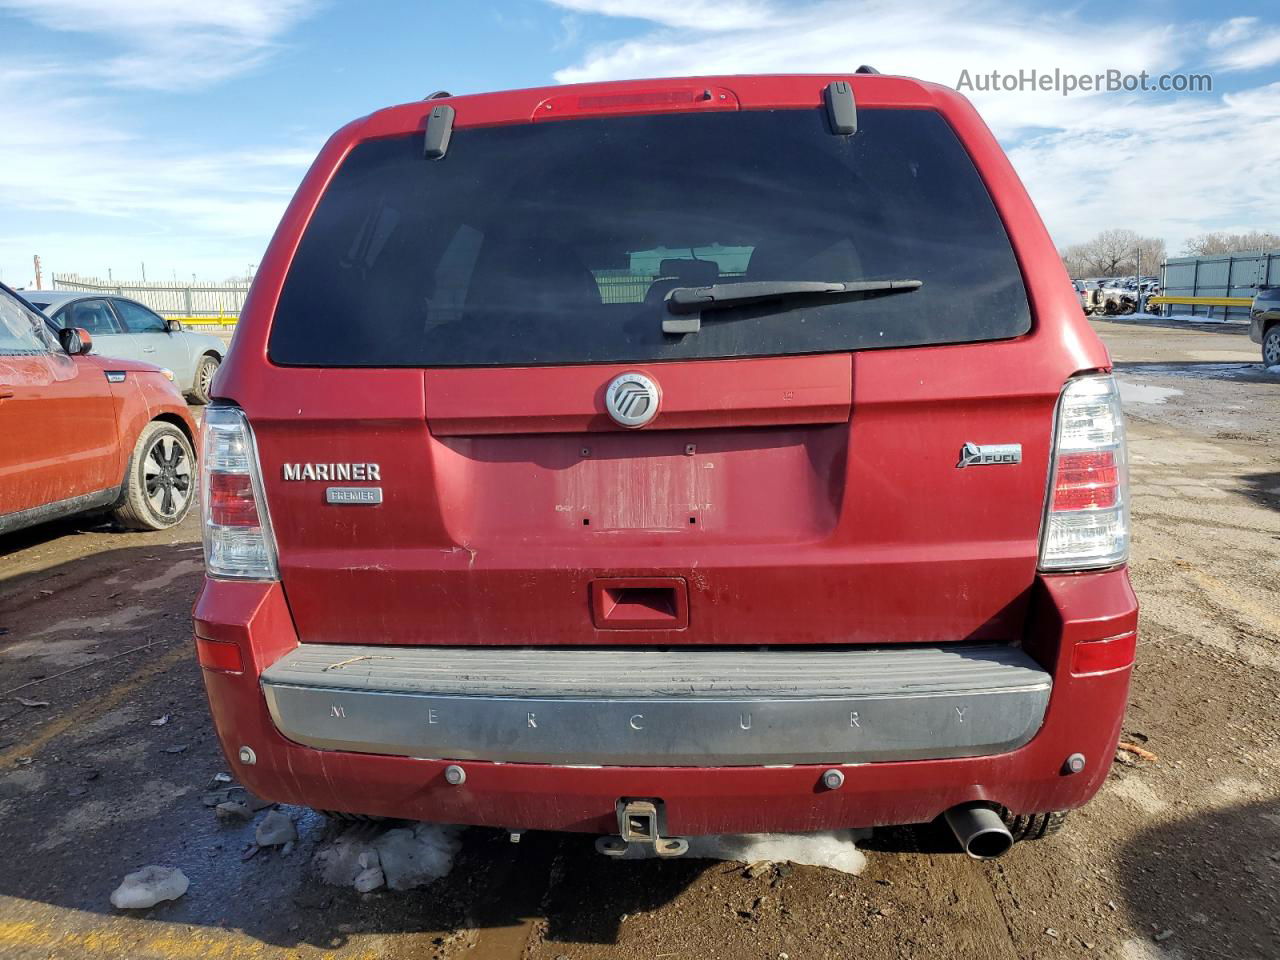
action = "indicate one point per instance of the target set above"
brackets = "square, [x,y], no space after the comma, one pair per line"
[457,323]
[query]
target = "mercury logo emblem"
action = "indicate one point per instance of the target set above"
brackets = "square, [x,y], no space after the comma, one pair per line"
[632,399]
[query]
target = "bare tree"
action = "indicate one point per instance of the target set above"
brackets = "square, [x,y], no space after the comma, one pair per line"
[1076,264]
[1220,242]
[1114,253]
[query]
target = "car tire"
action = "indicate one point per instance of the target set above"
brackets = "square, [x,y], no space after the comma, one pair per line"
[160,484]
[1271,346]
[1033,826]
[202,386]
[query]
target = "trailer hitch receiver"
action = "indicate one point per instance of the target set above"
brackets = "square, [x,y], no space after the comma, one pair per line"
[641,824]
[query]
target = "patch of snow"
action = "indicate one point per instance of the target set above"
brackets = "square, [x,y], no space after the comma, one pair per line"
[1144,392]
[149,886]
[1135,949]
[415,856]
[835,849]
[275,830]
[1224,357]
[401,857]
[1274,368]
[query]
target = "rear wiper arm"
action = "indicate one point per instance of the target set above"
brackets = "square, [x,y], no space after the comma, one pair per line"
[693,301]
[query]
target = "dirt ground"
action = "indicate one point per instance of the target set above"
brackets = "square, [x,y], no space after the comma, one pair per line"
[1176,858]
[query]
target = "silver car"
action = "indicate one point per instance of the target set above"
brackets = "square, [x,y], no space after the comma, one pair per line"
[125,328]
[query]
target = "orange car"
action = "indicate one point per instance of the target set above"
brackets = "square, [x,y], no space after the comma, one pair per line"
[81,433]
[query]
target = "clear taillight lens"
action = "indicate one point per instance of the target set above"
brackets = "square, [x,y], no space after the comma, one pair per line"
[1087,523]
[238,542]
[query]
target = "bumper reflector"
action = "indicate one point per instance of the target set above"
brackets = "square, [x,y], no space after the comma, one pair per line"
[220,655]
[1099,656]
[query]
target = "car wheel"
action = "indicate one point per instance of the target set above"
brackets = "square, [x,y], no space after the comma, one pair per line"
[203,385]
[1271,347]
[160,482]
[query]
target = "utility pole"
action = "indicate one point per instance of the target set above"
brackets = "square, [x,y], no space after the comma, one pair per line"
[36,260]
[1137,291]
[144,272]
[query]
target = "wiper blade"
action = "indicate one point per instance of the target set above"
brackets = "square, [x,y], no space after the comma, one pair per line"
[721,296]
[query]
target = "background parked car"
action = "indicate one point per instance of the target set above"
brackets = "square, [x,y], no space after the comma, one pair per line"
[125,328]
[81,433]
[1264,324]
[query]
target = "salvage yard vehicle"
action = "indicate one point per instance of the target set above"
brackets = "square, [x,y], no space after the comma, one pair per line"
[1115,298]
[818,520]
[81,433]
[1090,297]
[1264,324]
[125,329]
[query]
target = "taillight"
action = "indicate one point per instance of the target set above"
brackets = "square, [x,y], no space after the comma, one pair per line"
[1087,521]
[238,543]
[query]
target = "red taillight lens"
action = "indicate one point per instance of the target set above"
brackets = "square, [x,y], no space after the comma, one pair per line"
[1086,481]
[1087,523]
[238,543]
[231,502]
[1099,656]
[220,655]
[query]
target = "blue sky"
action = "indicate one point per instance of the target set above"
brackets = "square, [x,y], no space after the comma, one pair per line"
[173,133]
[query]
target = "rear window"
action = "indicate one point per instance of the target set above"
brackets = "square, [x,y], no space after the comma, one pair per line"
[558,242]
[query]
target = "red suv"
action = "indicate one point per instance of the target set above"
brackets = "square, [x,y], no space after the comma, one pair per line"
[81,433]
[664,458]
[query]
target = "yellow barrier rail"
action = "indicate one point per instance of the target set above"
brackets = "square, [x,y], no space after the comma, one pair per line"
[1204,301]
[206,321]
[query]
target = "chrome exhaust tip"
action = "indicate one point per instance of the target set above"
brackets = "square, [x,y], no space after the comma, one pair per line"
[980,831]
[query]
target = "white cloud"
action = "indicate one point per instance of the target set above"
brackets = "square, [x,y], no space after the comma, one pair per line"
[1233,31]
[84,181]
[1090,161]
[70,174]
[1172,169]
[692,14]
[1242,44]
[934,40]
[169,44]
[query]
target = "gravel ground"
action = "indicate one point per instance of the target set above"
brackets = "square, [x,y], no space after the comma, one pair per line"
[1177,857]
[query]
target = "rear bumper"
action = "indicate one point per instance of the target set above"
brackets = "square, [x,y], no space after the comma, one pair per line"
[645,707]
[1084,715]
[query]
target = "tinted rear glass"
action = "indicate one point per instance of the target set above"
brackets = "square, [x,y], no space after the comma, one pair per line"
[557,242]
